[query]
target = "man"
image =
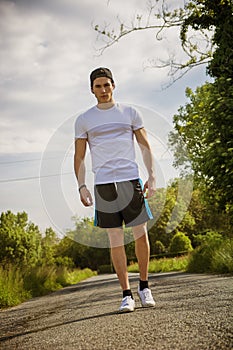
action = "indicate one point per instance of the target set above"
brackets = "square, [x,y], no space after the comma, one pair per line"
[109,129]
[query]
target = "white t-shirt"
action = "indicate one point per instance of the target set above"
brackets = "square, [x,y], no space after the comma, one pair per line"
[111,140]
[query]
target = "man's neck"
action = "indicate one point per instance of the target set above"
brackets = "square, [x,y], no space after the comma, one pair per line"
[106,105]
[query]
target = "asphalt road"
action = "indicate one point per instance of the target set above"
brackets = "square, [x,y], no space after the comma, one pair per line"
[192,312]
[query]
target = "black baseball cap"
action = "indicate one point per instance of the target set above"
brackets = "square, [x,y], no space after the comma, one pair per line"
[101,72]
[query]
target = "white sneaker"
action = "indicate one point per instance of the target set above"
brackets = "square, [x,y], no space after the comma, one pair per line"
[127,304]
[146,297]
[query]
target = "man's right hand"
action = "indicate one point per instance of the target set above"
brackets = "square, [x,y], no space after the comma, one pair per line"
[86,197]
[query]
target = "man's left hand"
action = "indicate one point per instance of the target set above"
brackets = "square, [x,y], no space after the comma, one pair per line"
[149,188]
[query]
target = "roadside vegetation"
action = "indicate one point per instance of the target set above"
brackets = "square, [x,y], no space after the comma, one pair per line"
[30,261]
[164,265]
[18,285]
[214,255]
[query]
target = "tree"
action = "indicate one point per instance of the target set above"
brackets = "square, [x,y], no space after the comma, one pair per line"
[207,217]
[204,128]
[199,216]
[170,212]
[161,16]
[85,245]
[206,124]
[48,245]
[180,243]
[208,14]
[20,240]
[205,31]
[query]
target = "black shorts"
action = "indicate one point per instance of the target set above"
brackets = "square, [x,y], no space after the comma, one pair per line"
[121,203]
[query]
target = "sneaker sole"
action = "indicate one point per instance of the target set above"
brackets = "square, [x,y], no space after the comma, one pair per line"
[147,305]
[125,310]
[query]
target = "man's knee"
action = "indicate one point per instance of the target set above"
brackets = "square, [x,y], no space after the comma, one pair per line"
[116,237]
[140,231]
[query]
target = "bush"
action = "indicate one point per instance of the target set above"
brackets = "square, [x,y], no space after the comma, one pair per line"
[180,243]
[63,276]
[17,285]
[41,280]
[222,261]
[12,291]
[64,261]
[215,254]
[159,247]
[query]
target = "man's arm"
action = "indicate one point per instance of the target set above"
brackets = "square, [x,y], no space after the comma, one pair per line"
[80,171]
[147,155]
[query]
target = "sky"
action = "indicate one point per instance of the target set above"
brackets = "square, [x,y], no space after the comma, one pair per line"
[47,50]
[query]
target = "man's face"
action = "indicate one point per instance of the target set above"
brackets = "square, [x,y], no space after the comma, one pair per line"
[103,89]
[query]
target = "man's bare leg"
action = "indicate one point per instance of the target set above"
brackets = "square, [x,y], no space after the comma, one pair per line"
[142,249]
[116,238]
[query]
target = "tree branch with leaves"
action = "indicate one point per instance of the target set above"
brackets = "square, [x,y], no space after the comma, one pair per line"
[196,42]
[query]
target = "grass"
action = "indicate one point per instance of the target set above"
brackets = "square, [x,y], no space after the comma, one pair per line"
[222,261]
[17,285]
[164,265]
[213,257]
[76,276]
[12,291]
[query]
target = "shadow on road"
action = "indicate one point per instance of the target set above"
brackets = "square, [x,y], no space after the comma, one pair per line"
[41,329]
[109,279]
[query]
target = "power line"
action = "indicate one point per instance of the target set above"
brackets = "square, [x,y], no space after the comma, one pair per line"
[33,177]
[27,160]
[19,161]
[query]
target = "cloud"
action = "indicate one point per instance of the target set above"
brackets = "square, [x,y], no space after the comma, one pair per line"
[48,49]
[39,69]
